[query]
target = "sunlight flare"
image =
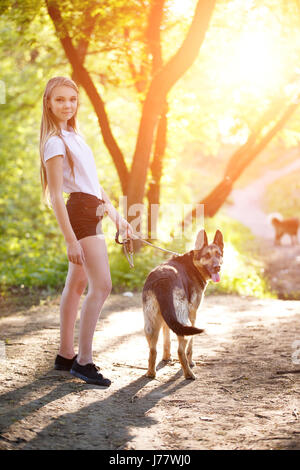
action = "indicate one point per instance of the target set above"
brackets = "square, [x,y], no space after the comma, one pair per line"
[255,60]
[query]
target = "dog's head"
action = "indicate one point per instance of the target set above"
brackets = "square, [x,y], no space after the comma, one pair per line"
[208,258]
[275,218]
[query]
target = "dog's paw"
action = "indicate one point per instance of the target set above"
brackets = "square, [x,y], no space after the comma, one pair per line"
[190,376]
[150,375]
[192,364]
[167,359]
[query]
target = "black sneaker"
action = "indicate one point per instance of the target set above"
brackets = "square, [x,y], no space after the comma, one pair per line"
[61,363]
[90,374]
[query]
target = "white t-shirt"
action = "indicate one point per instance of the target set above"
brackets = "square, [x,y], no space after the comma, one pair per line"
[86,179]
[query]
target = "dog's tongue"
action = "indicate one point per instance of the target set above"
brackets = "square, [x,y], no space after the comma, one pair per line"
[216,277]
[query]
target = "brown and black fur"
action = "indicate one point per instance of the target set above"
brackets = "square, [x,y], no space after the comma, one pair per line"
[172,294]
[285,226]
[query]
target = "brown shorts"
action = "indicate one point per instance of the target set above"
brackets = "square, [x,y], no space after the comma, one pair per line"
[85,213]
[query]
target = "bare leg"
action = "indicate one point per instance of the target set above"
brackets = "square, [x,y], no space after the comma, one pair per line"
[75,285]
[99,281]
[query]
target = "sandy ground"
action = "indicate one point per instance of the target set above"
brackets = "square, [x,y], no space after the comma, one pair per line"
[238,400]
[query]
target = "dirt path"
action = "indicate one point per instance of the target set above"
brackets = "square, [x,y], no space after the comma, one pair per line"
[282,263]
[247,203]
[237,402]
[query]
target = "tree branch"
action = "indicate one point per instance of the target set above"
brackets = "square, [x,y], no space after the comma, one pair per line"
[153,33]
[242,158]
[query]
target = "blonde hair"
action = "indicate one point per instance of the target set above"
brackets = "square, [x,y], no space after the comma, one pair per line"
[50,127]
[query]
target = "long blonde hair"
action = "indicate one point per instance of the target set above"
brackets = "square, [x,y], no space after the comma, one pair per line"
[50,127]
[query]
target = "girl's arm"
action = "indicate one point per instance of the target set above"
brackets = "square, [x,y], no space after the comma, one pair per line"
[121,223]
[54,168]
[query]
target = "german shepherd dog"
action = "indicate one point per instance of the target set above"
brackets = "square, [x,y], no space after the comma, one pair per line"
[282,226]
[172,294]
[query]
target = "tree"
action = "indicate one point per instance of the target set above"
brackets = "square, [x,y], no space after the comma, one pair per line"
[132,34]
[240,159]
[263,119]
[133,181]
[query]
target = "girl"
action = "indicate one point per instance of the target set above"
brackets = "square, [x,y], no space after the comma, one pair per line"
[68,165]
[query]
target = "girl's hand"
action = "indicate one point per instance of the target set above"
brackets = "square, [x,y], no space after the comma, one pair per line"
[125,229]
[75,253]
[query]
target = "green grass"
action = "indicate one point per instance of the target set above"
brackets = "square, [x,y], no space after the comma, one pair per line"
[242,271]
[283,196]
[38,267]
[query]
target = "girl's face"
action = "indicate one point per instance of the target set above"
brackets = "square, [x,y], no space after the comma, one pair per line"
[63,103]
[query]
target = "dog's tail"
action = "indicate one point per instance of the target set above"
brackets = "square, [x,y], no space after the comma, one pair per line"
[165,299]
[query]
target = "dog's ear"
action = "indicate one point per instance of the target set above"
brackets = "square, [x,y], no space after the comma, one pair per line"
[218,240]
[201,240]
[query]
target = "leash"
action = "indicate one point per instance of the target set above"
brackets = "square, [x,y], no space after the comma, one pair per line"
[128,247]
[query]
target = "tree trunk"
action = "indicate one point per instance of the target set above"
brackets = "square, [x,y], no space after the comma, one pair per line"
[161,84]
[133,182]
[153,194]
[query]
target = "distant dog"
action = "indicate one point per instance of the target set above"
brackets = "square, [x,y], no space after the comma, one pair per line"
[285,226]
[172,294]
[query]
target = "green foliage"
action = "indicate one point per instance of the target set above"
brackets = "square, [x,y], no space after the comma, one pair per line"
[126,278]
[283,196]
[31,265]
[242,271]
[26,225]
[32,252]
